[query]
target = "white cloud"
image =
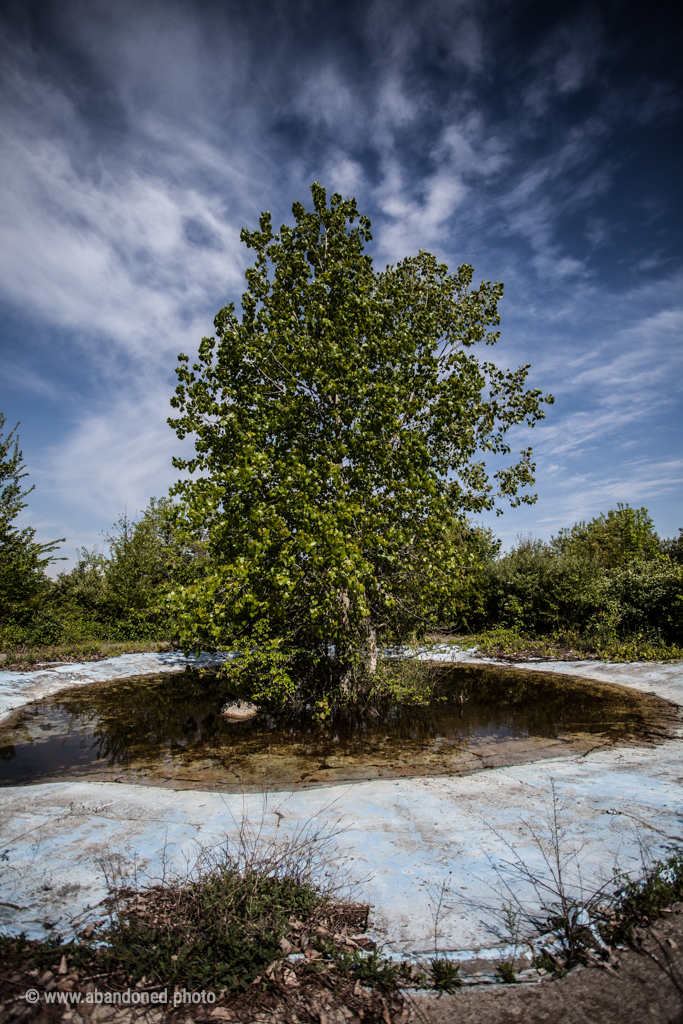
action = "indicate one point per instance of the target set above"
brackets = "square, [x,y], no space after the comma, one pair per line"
[118,457]
[109,257]
[343,174]
[416,223]
[326,98]
[121,218]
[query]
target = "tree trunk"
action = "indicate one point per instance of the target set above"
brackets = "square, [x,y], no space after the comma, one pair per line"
[370,659]
[345,674]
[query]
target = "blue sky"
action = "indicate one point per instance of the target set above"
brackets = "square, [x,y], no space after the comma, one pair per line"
[539,142]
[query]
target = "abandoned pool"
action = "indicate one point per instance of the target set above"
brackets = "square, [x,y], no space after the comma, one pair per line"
[128,768]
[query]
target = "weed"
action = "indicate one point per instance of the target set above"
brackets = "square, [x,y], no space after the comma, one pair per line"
[220,931]
[445,975]
[641,902]
[576,921]
[569,907]
[514,644]
[373,971]
[545,961]
[506,972]
[90,650]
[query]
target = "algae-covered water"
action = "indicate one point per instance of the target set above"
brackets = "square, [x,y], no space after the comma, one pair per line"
[167,730]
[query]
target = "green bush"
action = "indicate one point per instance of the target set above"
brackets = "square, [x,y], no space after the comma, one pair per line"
[534,589]
[609,579]
[118,597]
[51,628]
[622,536]
[645,597]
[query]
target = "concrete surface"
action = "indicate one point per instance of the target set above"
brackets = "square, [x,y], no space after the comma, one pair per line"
[407,845]
[20,688]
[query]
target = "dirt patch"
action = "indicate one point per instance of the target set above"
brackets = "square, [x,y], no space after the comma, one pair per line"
[646,985]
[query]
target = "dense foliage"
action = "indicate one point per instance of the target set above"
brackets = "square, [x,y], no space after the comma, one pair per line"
[339,429]
[608,578]
[112,596]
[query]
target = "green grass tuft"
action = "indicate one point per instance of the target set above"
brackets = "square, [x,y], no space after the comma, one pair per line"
[642,902]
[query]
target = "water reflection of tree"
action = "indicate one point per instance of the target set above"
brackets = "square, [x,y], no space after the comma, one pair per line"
[143,720]
[547,706]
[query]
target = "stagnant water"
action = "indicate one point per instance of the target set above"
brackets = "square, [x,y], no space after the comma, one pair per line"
[167,730]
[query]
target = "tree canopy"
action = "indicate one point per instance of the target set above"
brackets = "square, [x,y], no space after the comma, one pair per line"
[341,426]
[614,539]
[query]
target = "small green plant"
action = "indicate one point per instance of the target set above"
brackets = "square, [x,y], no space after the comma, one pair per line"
[444,974]
[545,961]
[641,902]
[372,971]
[512,917]
[506,972]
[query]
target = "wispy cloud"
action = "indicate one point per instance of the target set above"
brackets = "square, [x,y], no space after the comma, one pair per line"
[138,140]
[116,257]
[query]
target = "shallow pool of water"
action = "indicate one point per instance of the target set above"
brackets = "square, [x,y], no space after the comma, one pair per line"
[167,730]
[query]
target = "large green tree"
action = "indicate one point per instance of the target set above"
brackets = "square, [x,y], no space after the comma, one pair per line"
[340,426]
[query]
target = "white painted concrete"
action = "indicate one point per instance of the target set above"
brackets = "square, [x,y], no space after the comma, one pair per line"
[20,688]
[398,840]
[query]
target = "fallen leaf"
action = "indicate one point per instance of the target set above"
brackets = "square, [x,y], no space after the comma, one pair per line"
[290,978]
